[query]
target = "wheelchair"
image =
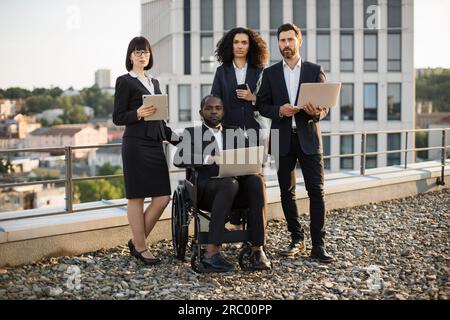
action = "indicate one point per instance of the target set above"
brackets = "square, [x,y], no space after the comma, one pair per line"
[185,209]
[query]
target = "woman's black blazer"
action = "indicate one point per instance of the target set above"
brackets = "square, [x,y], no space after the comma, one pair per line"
[127,99]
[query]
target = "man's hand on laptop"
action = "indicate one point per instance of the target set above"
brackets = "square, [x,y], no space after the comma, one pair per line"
[313,110]
[287,110]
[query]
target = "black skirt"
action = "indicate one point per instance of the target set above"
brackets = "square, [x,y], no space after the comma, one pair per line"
[145,169]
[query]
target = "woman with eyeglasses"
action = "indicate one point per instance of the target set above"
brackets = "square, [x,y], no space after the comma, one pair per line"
[145,169]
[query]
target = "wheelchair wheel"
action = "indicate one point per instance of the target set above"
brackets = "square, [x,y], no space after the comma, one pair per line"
[244,258]
[196,265]
[180,228]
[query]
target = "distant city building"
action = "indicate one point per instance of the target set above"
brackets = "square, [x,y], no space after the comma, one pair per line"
[7,108]
[70,92]
[103,78]
[49,197]
[367,45]
[51,114]
[68,135]
[89,111]
[17,127]
[102,156]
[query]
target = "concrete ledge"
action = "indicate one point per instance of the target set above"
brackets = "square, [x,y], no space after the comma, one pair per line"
[26,240]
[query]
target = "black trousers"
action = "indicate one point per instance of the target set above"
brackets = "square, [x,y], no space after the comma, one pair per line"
[312,170]
[220,196]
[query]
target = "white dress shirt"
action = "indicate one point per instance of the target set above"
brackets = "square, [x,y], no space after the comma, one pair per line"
[219,139]
[240,73]
[148,84]
[292,79]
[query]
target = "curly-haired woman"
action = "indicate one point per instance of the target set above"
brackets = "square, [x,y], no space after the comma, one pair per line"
[242,54]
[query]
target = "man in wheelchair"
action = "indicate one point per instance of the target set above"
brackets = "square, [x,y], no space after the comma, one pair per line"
[200,148]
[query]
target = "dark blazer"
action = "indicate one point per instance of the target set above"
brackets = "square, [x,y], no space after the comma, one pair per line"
[195,145]
[127,99]
[238,112]
[273,94]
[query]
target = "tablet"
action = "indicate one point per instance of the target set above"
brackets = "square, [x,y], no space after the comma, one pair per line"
[161,102]
[319,94]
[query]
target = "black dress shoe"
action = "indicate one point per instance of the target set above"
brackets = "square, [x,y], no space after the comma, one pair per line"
[295,247]
[147,261]
[320,254]
[216,263]
[259,260]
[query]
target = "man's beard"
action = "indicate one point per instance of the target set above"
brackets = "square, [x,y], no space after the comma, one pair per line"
[288,53]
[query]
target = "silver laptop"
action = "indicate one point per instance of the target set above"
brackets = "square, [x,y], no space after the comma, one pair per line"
[241,162]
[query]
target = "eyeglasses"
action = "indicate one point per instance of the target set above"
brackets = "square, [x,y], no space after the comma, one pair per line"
[139,53]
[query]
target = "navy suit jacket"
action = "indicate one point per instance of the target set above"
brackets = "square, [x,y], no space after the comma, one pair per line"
[273,94]
[238,112]
[127,99]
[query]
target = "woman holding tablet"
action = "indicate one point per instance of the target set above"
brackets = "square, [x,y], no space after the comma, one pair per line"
[145,169]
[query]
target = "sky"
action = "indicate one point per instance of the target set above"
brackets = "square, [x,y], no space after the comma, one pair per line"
[46,43]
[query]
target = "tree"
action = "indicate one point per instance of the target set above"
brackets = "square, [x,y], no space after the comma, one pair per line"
[37,104]
[6,166]
[58,121]
[108,169]
[435,88]
[95,190]
[102,103]
[17,93]
[74,114]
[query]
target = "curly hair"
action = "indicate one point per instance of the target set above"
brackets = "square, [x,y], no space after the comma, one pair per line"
[258,52]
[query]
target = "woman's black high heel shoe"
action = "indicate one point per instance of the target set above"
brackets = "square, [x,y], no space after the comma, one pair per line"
[146,261]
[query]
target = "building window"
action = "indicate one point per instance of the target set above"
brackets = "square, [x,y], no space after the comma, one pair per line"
[229,14]
[206,37]
[346,8]
[276,14]
[205,90]
[371,16]
[326,152]
[304,47]
[207,53]
[371,146]
[206,15]
[370,52]
[299,13]
[347,52]
[347,148]
[187,36]
[393,143]
[275,54]
[370,101]
[347,98]
[323,51]
[300,20]
[323,14]
[394,14]
[394,51]
[184,102]
[253,14]
[394,101]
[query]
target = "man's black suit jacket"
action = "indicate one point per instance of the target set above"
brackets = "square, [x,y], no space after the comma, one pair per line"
[273,94]
[193,149]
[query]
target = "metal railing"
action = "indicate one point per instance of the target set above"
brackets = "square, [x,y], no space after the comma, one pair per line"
[69,179]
